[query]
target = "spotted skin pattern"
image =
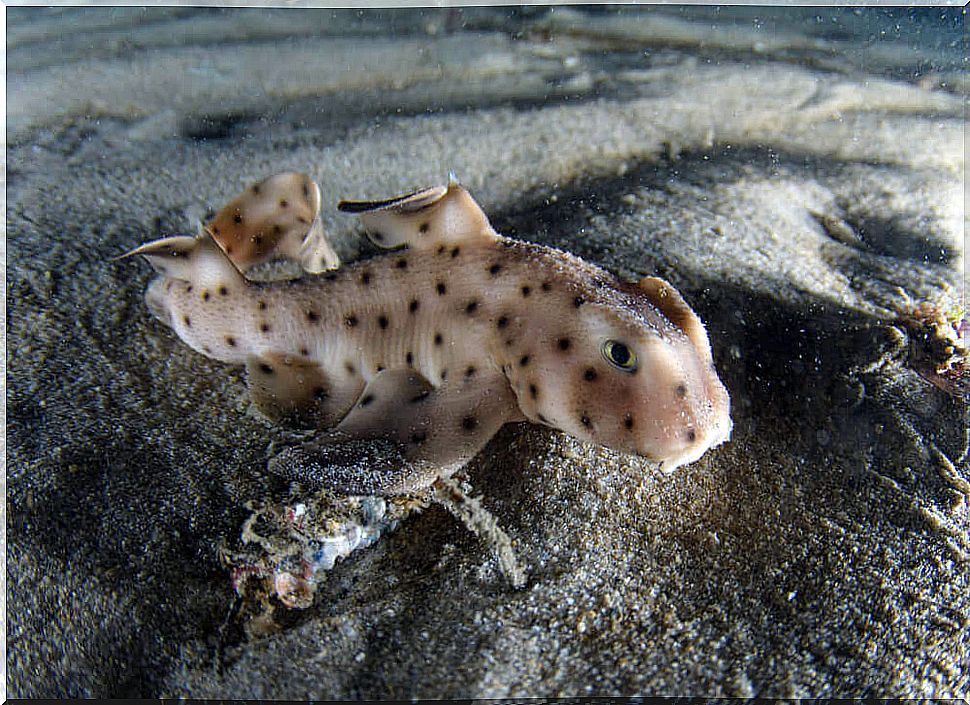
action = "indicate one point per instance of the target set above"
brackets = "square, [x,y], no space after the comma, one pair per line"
[409,362]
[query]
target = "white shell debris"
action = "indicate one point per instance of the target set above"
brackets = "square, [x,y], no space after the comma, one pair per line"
[286,548]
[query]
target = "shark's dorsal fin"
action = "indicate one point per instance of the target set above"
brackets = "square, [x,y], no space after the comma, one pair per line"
[279,217]
[424,219]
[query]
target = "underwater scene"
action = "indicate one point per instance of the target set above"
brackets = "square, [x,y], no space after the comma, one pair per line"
[486,352]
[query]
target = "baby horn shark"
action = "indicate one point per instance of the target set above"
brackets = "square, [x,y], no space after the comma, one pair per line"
[408,363]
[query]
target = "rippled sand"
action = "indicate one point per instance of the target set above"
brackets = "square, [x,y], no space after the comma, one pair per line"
[800,181]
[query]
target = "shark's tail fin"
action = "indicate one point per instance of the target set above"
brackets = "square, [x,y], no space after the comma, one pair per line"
[196,260]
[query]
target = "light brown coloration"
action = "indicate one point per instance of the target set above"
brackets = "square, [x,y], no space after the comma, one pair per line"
[277,217]
[409,363]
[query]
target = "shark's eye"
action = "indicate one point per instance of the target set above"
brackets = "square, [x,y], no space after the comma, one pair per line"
[620,355]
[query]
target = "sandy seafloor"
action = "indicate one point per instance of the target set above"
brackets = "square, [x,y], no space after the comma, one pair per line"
[797,175]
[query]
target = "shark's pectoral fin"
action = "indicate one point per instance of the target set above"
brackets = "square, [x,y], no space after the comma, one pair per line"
[352,466]
[402,434]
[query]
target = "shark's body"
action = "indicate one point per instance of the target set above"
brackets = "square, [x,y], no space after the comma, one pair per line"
[410,362]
